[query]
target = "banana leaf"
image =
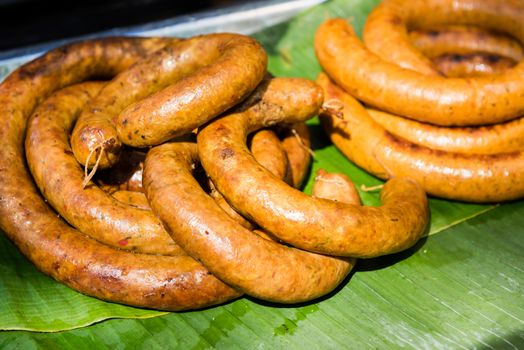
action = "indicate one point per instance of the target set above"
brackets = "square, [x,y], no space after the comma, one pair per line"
[460,288]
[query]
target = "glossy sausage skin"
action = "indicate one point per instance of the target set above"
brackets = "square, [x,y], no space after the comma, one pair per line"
[491,139]
[65,254]
[472,65]
[60,179]
[465,177]
[309,223]
[96,124]
[225,69]
[464,40]
[268,151]
[257,266]
[433,99]
[504,137]
[132,198]
[296,141]
[386,32]
[335,186]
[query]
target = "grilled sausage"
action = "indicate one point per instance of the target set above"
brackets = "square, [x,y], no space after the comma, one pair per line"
[386,86]
[466,177]
[491,139]
[464,40]
[60,178]
[335,186]
[226,67]
[302,221]
[161,282]
[257,266]
[472,65]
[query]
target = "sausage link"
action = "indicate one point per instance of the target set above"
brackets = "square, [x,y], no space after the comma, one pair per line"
[296,141]
[95,129]
[309,223]
[257,266]
[386,30]
[491,139]
[464,40]
[472,65]
[60,179]
[227,68]
[58,250]
[335,186]
[482,140]
[132,198]
[268,151]
[466,177]
[386,86]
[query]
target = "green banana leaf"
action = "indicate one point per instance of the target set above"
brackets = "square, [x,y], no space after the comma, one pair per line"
[461,288]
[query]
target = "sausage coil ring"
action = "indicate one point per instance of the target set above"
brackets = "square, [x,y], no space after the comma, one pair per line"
[226,67]
[160,282]
[59,177]
[386,30]
[257,266]
[468,177]
[95,131]
[386,86]
[491,139]
[309,223]
[169,94]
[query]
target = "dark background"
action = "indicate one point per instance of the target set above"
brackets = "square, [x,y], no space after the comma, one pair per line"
[26,22]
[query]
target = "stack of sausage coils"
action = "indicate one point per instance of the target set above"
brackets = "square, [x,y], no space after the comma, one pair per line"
[436,92]
[163,173]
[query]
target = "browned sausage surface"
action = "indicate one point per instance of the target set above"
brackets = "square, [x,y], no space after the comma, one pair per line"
[135,199]
[491,139]
[467,177]
[464,40]
[296,141]
[226,67]
[386,86]
[257,266]
[310,223]
[60,179]
[335,186]
[472,65]
[171,283]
